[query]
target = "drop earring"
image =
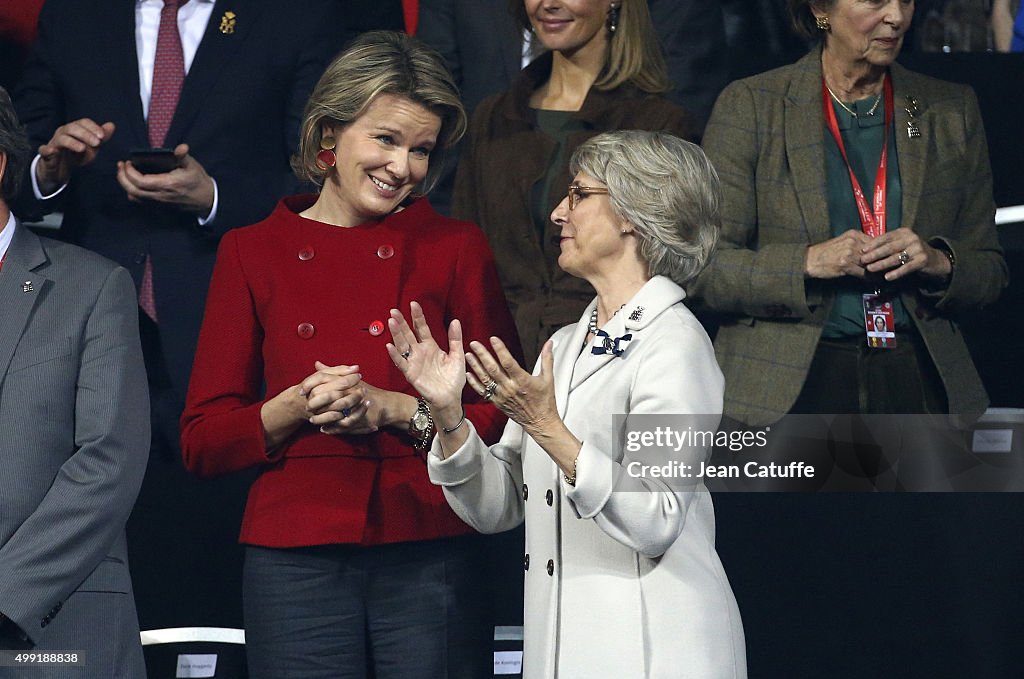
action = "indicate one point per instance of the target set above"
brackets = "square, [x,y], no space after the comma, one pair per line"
[326,158]
[613,18]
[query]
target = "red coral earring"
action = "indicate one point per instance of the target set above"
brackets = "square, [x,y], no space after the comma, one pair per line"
[326,158]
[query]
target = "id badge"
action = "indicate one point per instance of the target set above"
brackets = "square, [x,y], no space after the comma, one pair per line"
[879,327]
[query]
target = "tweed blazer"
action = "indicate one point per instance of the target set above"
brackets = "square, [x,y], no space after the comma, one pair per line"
[622,577]
[74,441]
[766,139]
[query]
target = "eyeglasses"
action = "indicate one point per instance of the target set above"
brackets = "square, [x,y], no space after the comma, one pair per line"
[576,193]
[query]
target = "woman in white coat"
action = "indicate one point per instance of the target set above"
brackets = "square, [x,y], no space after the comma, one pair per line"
[622,577]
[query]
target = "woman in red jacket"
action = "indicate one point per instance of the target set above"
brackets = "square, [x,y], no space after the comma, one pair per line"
[354,560]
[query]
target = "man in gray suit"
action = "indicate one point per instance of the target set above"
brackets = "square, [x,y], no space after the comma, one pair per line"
[74,440]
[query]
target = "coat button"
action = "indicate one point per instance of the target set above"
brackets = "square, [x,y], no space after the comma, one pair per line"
[306,253]
[551,567]
[140,257]
[305,330]
[550,497]
[385,252]
[526,562]
[376,328]
[526,492]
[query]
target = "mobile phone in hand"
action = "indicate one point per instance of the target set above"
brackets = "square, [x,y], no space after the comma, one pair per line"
[153,160]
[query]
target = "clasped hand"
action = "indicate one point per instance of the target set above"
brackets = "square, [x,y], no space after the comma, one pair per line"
[897,253]
[336,399]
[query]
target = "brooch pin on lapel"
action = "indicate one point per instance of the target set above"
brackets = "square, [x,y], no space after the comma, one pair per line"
[27,286]
[637,314]
[606,344]
[913,108]
[227,23]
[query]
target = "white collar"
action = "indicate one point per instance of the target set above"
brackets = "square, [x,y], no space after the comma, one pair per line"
[7,235]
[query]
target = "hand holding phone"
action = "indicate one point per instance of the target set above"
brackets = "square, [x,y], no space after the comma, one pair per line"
[153,160]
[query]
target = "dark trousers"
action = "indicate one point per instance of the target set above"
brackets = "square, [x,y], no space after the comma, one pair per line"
[183,532]
[875,584]
[400,611]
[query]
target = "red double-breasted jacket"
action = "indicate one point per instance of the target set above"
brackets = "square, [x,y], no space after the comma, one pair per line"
[289,291]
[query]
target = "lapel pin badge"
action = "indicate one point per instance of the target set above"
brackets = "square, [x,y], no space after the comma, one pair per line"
[227,23]
[913,109]
[637,314]
[27,286]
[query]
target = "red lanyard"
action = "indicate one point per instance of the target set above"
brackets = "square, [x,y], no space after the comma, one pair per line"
[871,222]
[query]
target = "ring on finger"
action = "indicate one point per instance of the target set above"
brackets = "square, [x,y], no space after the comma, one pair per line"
[405,354]
[903,257]
[345,412]
[489,390]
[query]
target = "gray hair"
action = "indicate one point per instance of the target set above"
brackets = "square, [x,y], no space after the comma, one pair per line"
[376,63]
[13,144]
[666,188]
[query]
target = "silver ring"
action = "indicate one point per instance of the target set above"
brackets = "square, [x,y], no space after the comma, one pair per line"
[406,353]
[904,257]
[489,390]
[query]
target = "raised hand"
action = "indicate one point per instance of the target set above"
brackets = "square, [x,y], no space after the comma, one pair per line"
[437,375]
[524,398]
[72,146]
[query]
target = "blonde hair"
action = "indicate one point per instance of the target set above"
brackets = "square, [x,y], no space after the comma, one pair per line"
[634,54]
[380,62]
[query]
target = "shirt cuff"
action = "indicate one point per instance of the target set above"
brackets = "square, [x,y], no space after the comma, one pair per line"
[35,183]
[203,221]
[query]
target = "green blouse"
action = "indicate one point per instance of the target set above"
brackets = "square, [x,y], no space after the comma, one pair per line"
[862,137]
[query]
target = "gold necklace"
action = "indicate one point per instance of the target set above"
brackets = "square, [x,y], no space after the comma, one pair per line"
[849,110]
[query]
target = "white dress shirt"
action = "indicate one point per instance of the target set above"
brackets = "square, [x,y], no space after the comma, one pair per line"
[6,235]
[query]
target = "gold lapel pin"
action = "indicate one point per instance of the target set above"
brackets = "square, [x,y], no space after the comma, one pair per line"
[227,23]
[27,286]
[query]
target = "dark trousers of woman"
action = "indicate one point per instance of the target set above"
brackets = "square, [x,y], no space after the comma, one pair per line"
[400,611]
[875,585]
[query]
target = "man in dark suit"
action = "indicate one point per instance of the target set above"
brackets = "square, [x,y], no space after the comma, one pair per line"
[74,414]
[89,95]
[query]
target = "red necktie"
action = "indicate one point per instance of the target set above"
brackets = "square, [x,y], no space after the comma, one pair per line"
[168,76]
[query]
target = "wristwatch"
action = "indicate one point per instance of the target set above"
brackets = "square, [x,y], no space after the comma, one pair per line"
[421,424]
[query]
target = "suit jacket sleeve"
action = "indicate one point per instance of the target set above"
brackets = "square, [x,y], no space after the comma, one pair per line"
[678,374]
[981,271]
[481,307]
[221,428]
[86,507]
[40,104]
[744,276]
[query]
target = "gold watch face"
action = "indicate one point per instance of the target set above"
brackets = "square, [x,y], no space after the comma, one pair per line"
[420,421]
